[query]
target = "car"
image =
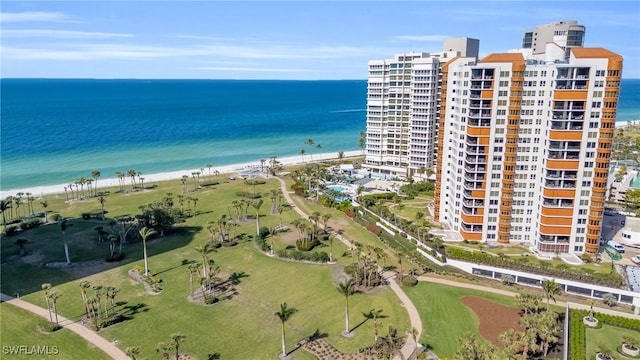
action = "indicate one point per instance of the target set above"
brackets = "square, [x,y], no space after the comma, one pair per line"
[636,259]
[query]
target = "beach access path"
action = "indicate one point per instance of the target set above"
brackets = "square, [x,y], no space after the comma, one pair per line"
[98,341]
[410,345]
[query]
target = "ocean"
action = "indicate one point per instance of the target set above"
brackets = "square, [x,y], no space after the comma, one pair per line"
[54,131]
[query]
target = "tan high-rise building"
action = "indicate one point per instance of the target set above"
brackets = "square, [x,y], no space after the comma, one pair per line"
[523,147]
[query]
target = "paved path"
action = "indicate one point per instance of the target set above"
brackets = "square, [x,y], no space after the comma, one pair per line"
[98,341]
[414,317]
[513,294]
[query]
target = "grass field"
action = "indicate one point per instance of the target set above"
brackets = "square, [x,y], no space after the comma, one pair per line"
[19,328]
[607,336]
[445,319]
[242,325]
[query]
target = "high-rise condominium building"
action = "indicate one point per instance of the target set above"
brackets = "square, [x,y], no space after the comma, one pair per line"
[402,109]
[566,34]
[523,146]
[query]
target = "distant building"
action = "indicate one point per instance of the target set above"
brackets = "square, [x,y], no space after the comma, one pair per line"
[567,34]
[402,109]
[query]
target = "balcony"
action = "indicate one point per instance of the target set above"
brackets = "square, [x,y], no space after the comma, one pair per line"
[557,203]
[479,123]
[563,155]
[472,186]
[475,178]
[471,228]
[476,159]
[474,203]
[566,126]
[480,169]
[559,184]
[479,150]
[554,239]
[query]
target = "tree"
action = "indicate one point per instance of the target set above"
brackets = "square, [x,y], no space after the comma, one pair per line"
[362,141]
[132,174]
[95,174]
[4,206]
[102,200]
[256,205]
[551,289]
[340,156]
[302,152]
[177,339]
[132,351]
[54,296]
[284,314]
[145,233]
[44,205]
[193,269]
[346,288]
[84,285]
[46,287]
[204,250]
[63,227]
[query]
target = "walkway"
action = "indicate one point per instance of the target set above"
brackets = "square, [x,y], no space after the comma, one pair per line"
[414,317]
[98,341]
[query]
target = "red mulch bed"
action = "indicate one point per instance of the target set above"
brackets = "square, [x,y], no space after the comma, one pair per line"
[494,318]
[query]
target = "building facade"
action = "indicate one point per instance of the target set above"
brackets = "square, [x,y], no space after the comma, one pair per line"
[567,34]
[523,146]
[403,94]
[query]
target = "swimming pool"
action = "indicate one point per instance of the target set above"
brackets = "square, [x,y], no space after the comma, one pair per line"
[340,193]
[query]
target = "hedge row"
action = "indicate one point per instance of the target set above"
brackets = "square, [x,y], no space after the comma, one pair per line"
[576,335]
[618,321]
[611,279]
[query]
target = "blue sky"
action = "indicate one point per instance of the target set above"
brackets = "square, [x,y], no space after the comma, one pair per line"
[277,40]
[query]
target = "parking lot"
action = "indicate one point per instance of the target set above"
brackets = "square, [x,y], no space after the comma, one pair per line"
[613,223]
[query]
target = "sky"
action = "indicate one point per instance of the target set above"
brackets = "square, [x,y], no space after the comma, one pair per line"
[303,40]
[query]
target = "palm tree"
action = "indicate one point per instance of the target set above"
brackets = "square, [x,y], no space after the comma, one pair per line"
[284,314]
[340,156]
[132,352]
[302,152]
[177,338]
[203,251]
[46,287]
[209,166]
[257,205]
[84,285]
[193,269]
[310,143]
[362,141]
[111,295]
[347,288]
[4,206]
[102,200]
[95,174]
[54,296]
[44,205]
[63,227]
[551,288]
[145,233]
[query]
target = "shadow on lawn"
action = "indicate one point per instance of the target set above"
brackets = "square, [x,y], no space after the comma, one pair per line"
[87,255]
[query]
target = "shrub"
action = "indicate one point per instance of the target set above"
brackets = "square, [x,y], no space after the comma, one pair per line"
[264,232]
[55,217]
[115,257]
[409,281]
[30,224]
[321,256]
[609,299]
[139,269]
[11,230]
[305,244]
[210,299]
[576,335]
[48,326]
[350,214]
[507,279]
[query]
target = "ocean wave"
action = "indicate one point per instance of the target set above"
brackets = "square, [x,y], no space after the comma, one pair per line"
[346,111]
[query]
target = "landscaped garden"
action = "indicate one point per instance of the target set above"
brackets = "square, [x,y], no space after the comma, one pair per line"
[249,284]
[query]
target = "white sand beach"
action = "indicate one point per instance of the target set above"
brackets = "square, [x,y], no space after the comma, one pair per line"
[624,124]
[174,175]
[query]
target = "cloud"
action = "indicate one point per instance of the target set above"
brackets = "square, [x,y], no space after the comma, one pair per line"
[251,69]
[60,34]
[79,51]
[424,38]
[32,16]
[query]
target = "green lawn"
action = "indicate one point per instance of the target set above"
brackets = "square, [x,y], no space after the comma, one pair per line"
[242,326]
[445,319]
[19,328]
[607,336]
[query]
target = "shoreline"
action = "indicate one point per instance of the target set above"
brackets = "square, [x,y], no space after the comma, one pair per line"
[626,123]
[38,191]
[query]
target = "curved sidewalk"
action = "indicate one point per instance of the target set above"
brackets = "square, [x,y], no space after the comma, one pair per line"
[98,341]
[414,317]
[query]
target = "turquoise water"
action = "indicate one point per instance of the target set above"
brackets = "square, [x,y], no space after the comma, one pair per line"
[636,183]
[337,188]
[56,131]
